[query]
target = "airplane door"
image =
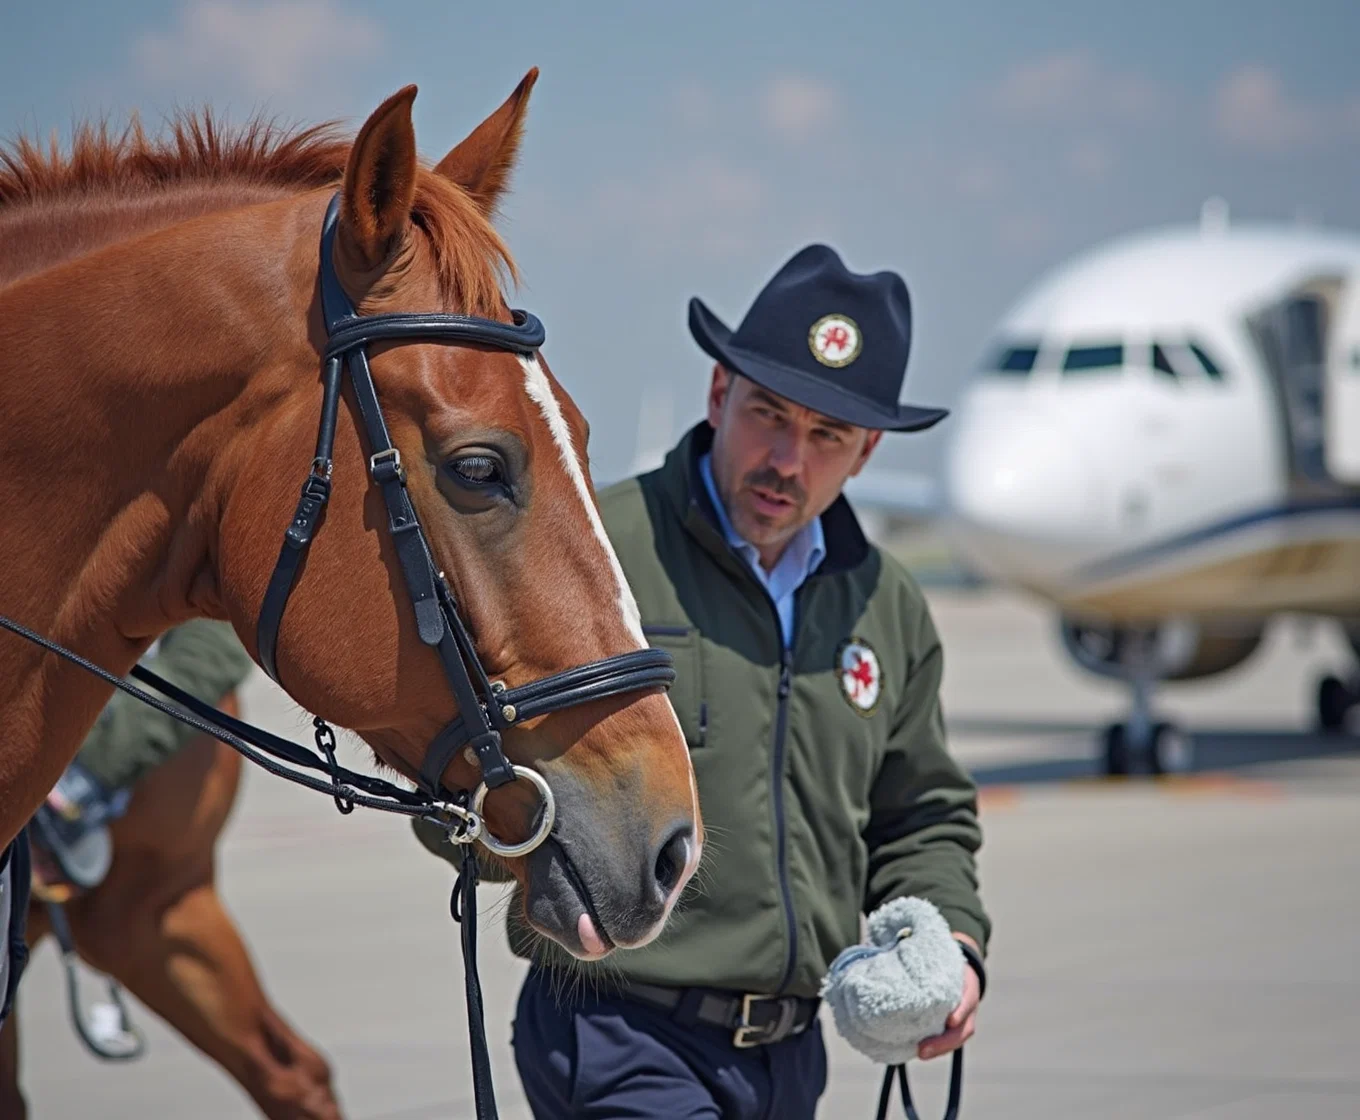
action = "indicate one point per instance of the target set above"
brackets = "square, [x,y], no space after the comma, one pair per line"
[1292,336]
[1341,427]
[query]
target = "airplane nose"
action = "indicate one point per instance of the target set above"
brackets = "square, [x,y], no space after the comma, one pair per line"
[1019,494]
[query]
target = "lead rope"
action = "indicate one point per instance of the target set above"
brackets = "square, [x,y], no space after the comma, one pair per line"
[898,1072]
[463,907]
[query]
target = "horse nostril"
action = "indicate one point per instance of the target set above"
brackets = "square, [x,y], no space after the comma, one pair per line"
[671,859]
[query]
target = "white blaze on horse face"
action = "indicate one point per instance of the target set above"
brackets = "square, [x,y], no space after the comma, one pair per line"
[540,392]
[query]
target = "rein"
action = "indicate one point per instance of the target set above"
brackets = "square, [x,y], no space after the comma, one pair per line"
[461,824]
[898,1074]
[486,708]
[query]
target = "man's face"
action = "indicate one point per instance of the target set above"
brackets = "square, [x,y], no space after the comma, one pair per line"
[777,464]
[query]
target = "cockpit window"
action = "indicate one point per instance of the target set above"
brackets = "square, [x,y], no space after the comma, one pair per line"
[1081,358]
[1015,360]
[1206,362]
[1160,362]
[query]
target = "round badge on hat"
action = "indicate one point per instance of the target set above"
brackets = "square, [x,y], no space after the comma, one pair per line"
[835,340]
[860,675]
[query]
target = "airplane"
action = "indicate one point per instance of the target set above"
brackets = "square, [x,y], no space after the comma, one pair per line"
[1162,444]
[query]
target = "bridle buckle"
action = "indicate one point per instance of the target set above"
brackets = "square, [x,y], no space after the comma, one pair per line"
[389,460]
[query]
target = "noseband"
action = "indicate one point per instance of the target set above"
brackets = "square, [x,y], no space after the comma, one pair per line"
[486,708]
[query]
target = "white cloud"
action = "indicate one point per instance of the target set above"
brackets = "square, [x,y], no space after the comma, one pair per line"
[1252,110]
[265,47]
[1046,84]
[797,108]
[1073,84]
[704,204]
[703,185]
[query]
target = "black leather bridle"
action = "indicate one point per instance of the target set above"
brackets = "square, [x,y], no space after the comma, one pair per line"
[486,708]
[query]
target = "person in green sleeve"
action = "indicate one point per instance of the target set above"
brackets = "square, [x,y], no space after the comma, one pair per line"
[69,832]
[807,684]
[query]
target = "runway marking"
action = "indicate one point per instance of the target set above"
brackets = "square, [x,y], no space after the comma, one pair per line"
[1209,784]
[1198,785]
[997,797]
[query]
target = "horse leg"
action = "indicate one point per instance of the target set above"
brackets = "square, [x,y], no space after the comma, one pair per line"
[157,925]
[187,963]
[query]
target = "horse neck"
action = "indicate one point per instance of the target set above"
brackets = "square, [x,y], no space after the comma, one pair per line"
[45,233]
[128,370]
[133,364]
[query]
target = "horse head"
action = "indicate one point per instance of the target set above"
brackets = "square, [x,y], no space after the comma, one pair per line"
[494,456]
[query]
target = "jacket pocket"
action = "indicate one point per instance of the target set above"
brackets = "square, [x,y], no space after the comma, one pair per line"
[687,693]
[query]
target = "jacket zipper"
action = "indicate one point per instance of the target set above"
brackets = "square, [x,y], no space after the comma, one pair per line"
[780,726]
[777,765]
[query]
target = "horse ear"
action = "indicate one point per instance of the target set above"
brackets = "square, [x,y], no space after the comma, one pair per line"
[482,163]
[380,182]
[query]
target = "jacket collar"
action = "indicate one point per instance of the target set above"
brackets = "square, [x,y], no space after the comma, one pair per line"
[846,545]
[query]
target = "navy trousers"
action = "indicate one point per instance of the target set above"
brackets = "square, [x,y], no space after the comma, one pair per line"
[603,1057]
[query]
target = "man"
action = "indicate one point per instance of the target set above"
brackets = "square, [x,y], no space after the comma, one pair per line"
[808,672]
[69,833]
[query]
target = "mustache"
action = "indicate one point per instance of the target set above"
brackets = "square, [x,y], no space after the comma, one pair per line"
[772,480]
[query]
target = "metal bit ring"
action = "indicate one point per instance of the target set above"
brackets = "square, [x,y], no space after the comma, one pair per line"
[508,851]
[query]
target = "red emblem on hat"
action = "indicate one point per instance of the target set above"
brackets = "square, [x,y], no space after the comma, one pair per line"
[834,340]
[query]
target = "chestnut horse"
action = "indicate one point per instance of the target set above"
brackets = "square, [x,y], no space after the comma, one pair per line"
[162,331]
[157,925]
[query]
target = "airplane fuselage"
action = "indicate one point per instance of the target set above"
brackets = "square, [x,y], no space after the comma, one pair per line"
[1170,427]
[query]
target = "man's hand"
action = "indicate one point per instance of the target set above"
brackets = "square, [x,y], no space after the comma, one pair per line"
[961,1023]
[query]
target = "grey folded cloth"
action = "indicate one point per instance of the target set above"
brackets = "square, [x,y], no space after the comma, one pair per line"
[889,995]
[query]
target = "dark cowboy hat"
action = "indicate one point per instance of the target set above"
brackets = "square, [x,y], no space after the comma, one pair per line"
[824,337]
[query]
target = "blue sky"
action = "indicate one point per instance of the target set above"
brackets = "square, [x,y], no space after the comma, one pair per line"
[682,149]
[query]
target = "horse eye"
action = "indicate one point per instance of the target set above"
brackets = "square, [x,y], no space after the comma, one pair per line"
[477,470]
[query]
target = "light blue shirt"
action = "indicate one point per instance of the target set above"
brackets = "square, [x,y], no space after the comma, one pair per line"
[798,560]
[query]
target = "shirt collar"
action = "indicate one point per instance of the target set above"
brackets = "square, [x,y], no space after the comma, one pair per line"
[804,552]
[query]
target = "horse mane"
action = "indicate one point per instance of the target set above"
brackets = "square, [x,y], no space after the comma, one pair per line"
[199,149]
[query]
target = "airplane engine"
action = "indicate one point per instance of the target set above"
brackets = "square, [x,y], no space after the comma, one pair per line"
[1178,650]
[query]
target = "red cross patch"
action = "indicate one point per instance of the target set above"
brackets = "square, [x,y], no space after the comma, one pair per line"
[860,676]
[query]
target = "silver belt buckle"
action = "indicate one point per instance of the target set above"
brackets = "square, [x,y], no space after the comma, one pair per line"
[746,1035]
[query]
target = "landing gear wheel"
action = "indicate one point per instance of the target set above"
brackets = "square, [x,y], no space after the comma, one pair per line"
[1171,751]
[1334,701]
[1116,750]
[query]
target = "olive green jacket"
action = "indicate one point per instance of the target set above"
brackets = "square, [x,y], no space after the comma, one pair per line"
[825,783]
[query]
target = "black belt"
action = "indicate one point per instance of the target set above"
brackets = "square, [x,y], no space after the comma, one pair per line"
[754,1020]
